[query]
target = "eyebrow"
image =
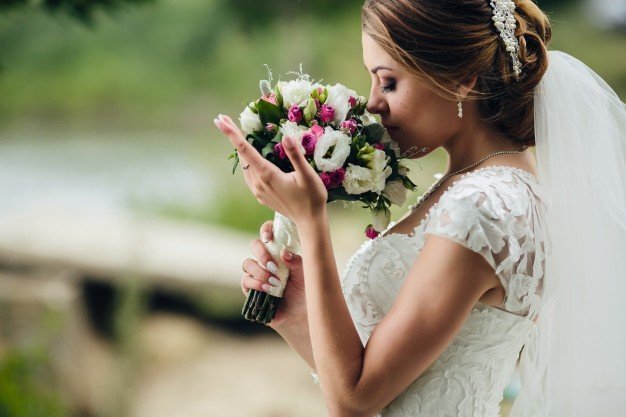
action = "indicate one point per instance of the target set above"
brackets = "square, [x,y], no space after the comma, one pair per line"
[375,70]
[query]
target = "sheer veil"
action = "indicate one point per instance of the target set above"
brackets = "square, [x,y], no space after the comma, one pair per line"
[574,364]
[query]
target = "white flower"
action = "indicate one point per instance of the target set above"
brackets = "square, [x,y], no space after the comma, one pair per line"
[380,170]
[369,119]
[402,169]
[249,120]
[296,91]
[339,98]
[295,131]
[380,178]
[380,218]
[395,191]
[340,153]
[358,179]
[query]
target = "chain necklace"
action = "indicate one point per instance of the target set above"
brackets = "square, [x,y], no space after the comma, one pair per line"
[442,180]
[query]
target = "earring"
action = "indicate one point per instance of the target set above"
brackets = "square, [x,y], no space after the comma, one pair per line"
[460,105]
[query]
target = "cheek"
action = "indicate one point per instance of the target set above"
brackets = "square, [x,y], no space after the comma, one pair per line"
[426,118]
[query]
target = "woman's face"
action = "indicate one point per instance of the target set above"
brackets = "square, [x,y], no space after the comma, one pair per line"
[414,115]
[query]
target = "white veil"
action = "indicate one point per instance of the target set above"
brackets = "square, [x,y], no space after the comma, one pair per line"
[574,364]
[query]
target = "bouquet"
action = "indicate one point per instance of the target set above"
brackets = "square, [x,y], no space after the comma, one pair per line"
[352,153]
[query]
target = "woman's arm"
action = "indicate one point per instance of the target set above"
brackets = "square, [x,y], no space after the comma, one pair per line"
[436,298]
[296,334]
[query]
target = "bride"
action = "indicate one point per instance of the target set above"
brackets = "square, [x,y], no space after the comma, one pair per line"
[504,254]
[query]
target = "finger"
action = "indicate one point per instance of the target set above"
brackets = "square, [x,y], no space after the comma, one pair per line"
[249,283]
[247,153]
[264,259]
[266,231]
[295,155]
[256,271]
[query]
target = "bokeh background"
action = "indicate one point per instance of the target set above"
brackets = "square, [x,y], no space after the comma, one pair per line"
[122,228]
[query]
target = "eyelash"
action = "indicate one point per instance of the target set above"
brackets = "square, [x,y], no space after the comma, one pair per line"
[385,89]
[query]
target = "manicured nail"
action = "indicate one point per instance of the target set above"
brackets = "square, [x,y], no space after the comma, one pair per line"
[275,281]
[266,287]
[217,122]
[287,255]
[265,237]
[272,267]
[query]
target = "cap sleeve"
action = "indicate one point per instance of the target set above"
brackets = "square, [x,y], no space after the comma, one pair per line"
[492,216]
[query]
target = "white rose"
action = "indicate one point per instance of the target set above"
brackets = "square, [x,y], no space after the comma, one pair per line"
[338,97]
[395,191]
[249,120]
[341,152]
[358,179]
[296,91]
[295,131]
[380,219]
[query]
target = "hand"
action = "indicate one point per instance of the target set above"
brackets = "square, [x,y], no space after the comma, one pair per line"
[298,195]
[292,308]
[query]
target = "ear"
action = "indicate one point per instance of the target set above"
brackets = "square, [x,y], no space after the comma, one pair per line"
[467,85]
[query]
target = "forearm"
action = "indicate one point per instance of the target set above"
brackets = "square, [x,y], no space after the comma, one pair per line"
[336,346]
[297,336]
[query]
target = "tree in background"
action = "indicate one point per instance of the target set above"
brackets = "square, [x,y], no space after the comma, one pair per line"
[83,10]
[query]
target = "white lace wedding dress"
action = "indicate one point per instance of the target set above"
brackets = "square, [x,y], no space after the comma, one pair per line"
[496,211]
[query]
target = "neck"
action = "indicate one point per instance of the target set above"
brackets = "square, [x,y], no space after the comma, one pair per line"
[475,143]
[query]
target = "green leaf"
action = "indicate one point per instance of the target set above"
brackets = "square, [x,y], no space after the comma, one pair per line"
[268,112]
[373,132]
[268,149]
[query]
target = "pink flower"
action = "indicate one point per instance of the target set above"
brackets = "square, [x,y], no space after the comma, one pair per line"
[318,105]
[309,141]
[271,98]
[271,127]
[325,176]
[349,126]
[317,130]
[279,151]
[352,101]
[295,114]
[333,179]
[380,146]
[326,113]
[337,177]
[370,232]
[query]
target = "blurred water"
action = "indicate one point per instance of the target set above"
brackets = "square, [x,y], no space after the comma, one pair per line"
[101,172]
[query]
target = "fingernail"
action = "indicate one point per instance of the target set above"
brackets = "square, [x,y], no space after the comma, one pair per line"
[266,287]
[287,255]
[275,281]
[272,267]
[217,122]
[265,237]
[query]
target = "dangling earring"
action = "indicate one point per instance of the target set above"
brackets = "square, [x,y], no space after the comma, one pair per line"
[460,105]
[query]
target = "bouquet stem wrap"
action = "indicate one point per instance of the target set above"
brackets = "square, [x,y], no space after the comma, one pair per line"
[261,306]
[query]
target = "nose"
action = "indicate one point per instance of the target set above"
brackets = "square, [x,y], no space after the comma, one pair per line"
[376,104]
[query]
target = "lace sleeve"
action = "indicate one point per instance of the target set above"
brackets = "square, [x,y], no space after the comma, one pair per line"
[492,217]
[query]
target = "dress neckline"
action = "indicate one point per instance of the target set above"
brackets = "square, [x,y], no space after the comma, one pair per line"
[521,172]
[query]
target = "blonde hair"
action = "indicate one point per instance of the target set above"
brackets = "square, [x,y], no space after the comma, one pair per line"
[446,42]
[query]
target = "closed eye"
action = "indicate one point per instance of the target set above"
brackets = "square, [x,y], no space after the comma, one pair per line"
[385,89]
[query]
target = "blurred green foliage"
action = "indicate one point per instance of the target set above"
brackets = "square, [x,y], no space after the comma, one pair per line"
[83,10]
[26,386]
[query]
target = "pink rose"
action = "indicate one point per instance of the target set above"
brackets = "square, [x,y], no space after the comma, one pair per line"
[349,126]
[317,130]
[380,146]
[279,151]
[271,98]
[271,127]
[326,113]
[370,232]
[309,141]
[325,176]
[336,177]
[295,114]
[352,101]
